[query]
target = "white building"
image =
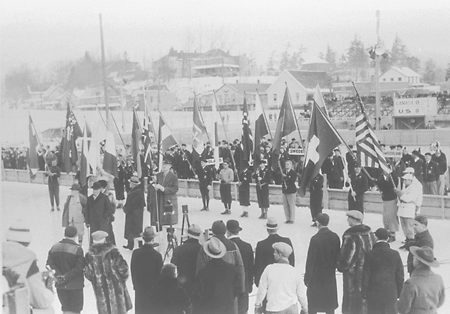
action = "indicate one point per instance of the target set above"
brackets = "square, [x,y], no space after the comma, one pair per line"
[401,74]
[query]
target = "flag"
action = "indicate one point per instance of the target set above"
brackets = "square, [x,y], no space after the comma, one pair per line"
[84,166]
[286,124]
[214,137]
[110,158]
[322,139]
[148,136]
[261,130]
[318,98]
[93,154]
[69,147]
[198,131]
[33,164]
[165,139]
[247,137]
[368,149]
[136,138]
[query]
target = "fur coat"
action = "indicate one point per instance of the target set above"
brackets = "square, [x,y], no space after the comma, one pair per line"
[356,241]
[107,270]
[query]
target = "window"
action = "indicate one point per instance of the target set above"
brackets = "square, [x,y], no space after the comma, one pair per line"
[220,99]
[384,80]
[297,96]
[399,79]
[274,97]
[392,79]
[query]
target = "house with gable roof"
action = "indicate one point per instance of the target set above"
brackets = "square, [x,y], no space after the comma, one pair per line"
[401,74]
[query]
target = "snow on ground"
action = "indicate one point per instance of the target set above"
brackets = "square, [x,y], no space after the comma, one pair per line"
[30,202]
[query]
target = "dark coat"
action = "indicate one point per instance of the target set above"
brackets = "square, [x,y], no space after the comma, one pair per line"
[382,278]
[356,241]
[360,184]
[67,259]
[316,195]
[320,271]
[418,166]
[170,184]
[420,239]
[168,297]
[134,212]
[146,264]
[185,258]
[288,185]
[264,254]
[245,178]
[217,286]
[99,213]
[205,176]
[262,187]
[336,177]
[107,270]
[248,260]
[441,161]
[430,172]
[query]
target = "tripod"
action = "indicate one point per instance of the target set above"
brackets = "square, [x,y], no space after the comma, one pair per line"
[185,211]
[171,238]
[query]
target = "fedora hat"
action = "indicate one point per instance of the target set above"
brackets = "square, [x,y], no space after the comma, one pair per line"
[75,187]
[425,255]
[271,223]
[214,248]
[148,233]
[233,226]
[194,231]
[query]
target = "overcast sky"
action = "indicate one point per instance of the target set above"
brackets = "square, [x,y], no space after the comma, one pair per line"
[40,32]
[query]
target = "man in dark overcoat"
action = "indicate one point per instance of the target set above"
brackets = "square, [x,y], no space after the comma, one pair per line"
[315,197]
[166,186]
[321,264]
[185,258]
[245,178]
[264,249]
[134,212]
[422,238]
[246,250]
[146,264]
[99,210]
[262,178]
[359,186]
[336,177]
[383,276]
[218,283]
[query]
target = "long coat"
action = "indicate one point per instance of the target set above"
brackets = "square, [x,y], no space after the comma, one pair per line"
[170,183]
[168,297]
[217,286]
[264,254]
[320,272]
[245,178]
[134,212]
[382,278]
[420,239]
[146,264]
[360,184]
[99,213]
[356,241]
[107,270]
[262,187]
[185,258]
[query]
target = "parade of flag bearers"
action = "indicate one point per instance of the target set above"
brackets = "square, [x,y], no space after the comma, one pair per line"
[242,200]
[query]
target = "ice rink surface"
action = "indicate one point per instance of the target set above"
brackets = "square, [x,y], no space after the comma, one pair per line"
[31,203]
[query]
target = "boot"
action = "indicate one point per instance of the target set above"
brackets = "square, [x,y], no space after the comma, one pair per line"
[262,214]
[244,214]
[265,213]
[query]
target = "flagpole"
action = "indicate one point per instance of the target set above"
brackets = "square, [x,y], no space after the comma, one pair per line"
[105,87]
[295,119]
[220,115]
[98,110]
[264,115]
[118,132]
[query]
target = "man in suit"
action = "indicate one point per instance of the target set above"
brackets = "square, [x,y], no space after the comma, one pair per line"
[246,250]
[134,212]
[264,249]
[337,170]
[315,197]
[321,264]
[166,187]
[99,211]
[422,238]
[185,258]
[430,176]
[205,178]
[418,165]
[146,264]
[289,190]
[359,186]
[382,276]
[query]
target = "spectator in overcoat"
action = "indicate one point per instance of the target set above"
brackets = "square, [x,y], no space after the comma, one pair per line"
[383,276]
[134,212]
[422,237]
[320,271]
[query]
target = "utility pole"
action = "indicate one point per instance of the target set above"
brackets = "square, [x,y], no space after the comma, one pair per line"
[377,76]
[105,86]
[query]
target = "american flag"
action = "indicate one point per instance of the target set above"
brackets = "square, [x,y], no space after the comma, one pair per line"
[368,148]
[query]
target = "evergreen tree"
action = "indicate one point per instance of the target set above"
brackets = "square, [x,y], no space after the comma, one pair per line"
[447,73]
[285,58]
[399,53]
[294,61]
[413,63]
[330,57]
[357,54]
[271,62]
[429,73]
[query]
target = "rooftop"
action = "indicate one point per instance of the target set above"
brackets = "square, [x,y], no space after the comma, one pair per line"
[310,79]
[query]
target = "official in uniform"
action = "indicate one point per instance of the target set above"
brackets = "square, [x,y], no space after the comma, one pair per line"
[205,178]
[289,190]
[262,177]
[226,176]
[245,178]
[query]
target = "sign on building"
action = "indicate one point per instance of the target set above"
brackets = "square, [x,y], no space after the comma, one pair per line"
[407,107]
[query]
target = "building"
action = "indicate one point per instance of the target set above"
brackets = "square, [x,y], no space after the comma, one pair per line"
[300,84]
[313,63]
[45,99]
[175,64]
[217,62]
[401,74]
[231,96]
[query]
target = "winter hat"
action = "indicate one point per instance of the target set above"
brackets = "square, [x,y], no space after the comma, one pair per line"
[355,214]
[424,254]
[70,232]
[19,232]
[422,219]
[99,235]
